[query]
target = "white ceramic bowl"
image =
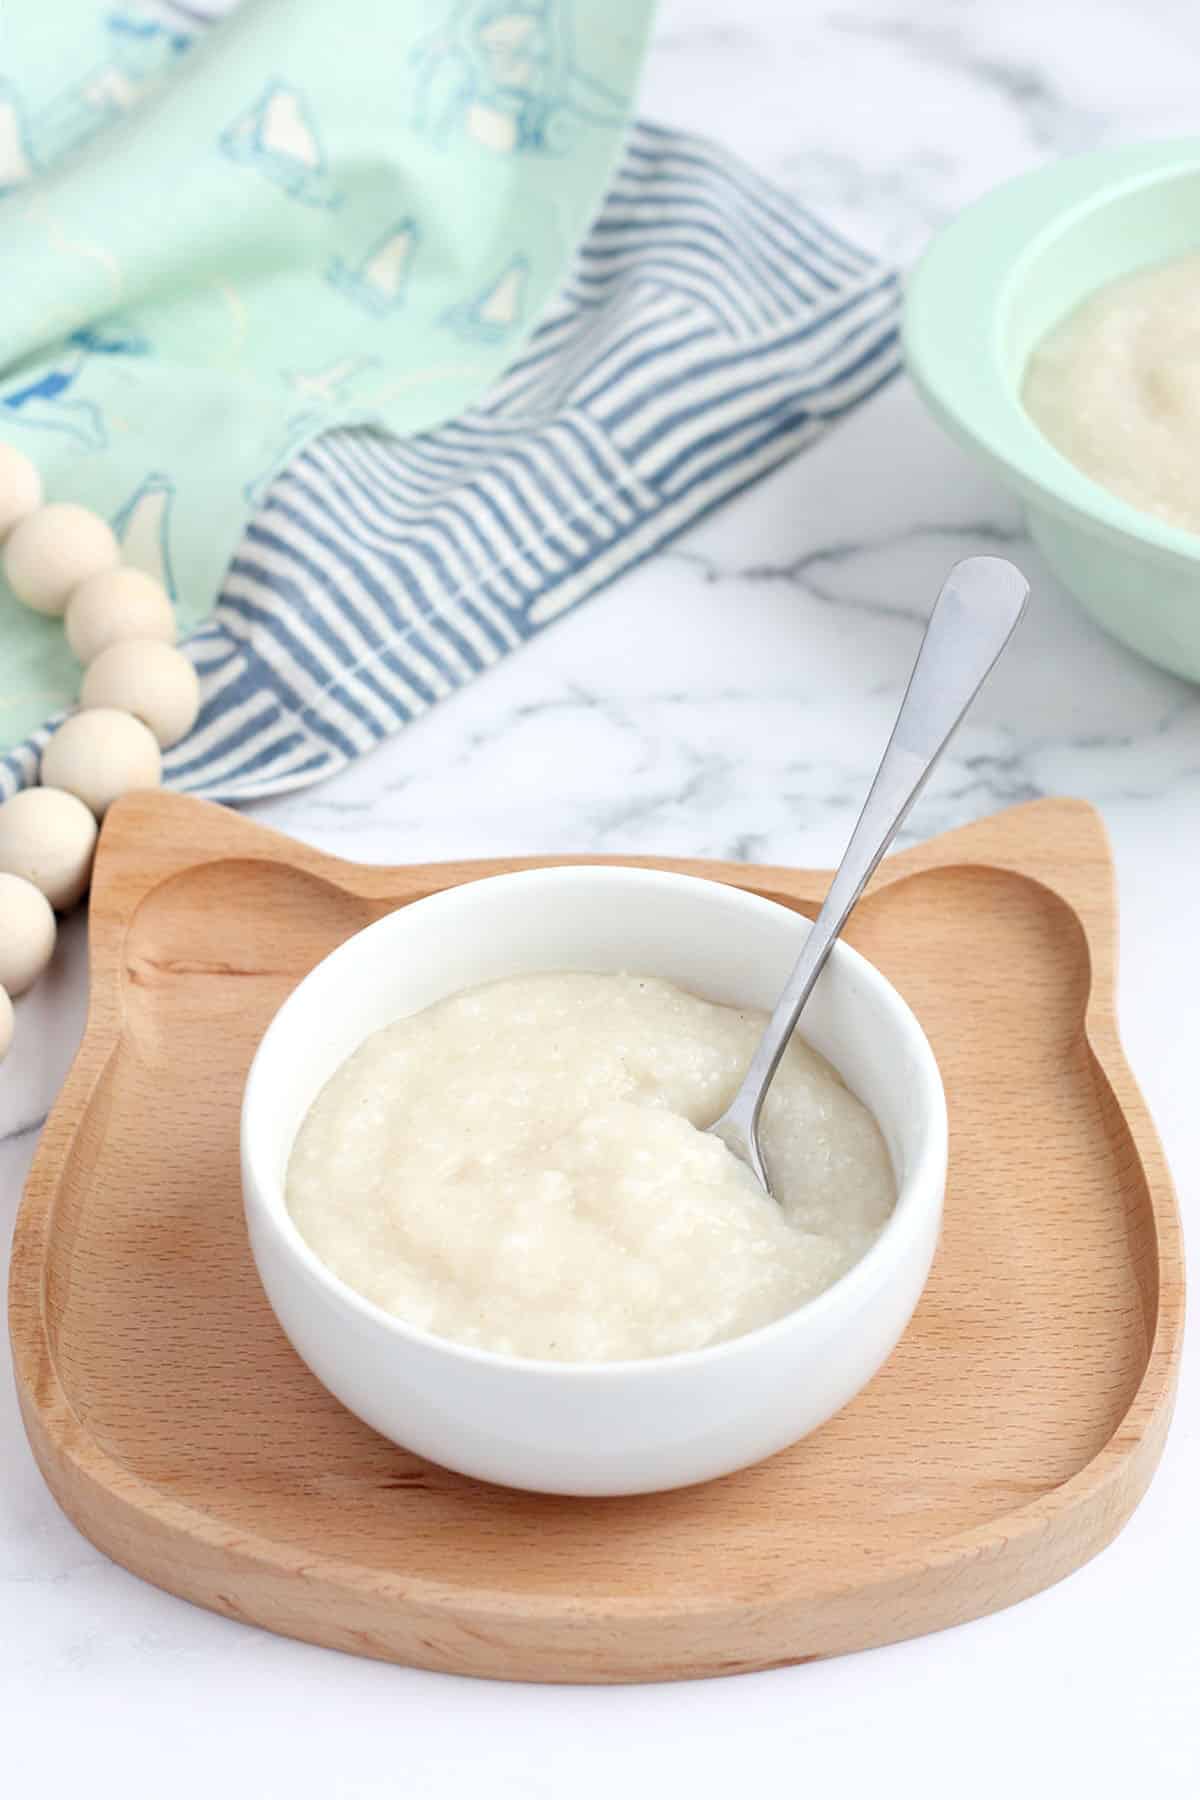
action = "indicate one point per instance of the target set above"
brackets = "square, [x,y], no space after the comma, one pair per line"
[597,1428]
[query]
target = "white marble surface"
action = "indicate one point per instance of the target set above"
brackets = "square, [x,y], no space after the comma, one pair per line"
[729,698]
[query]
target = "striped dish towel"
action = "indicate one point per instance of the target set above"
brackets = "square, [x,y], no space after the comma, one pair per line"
[709,328]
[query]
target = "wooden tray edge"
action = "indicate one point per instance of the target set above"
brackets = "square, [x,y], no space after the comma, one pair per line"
[988,1567]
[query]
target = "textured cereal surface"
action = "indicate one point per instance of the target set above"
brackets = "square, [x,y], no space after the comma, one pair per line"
[1116,387]
[523,1168]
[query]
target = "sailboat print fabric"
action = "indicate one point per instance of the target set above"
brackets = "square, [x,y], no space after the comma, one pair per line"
[224,237]
[708,328]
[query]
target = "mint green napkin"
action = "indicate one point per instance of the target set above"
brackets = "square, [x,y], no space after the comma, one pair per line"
[219,242]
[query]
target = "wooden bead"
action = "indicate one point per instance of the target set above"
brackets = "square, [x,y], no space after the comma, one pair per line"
[114,605]
[100,755]
[151,680]
[53,550]
[20,488]
[48,837]
[6,1024]
[27,933]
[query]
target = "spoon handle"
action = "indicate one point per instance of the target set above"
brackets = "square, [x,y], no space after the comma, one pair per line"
[971,622]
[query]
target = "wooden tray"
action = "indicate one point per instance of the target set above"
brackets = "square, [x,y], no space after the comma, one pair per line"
[1007,1440]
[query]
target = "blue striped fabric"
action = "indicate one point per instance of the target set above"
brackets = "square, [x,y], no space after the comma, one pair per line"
[709,328]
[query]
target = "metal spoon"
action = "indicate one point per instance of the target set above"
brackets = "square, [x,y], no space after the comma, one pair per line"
[972,620]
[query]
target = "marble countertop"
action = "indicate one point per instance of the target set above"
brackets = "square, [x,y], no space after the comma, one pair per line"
[729,698]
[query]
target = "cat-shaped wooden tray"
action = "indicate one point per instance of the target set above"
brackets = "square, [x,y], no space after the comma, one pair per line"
[1007,1440]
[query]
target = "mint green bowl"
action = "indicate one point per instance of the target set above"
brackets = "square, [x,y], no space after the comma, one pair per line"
[992,283]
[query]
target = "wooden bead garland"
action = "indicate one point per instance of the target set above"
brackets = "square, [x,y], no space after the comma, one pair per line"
[153,681]
[101,754]
[52,550]
[27,934]
[20,488]
[115,605]
[140,695]
[48,836]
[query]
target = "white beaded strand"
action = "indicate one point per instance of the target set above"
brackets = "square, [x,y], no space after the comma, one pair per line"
[53,550]
[27,933]
[101,754]
[48,836]
[20,488]
[140,695]
[153,681]
[115,605]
